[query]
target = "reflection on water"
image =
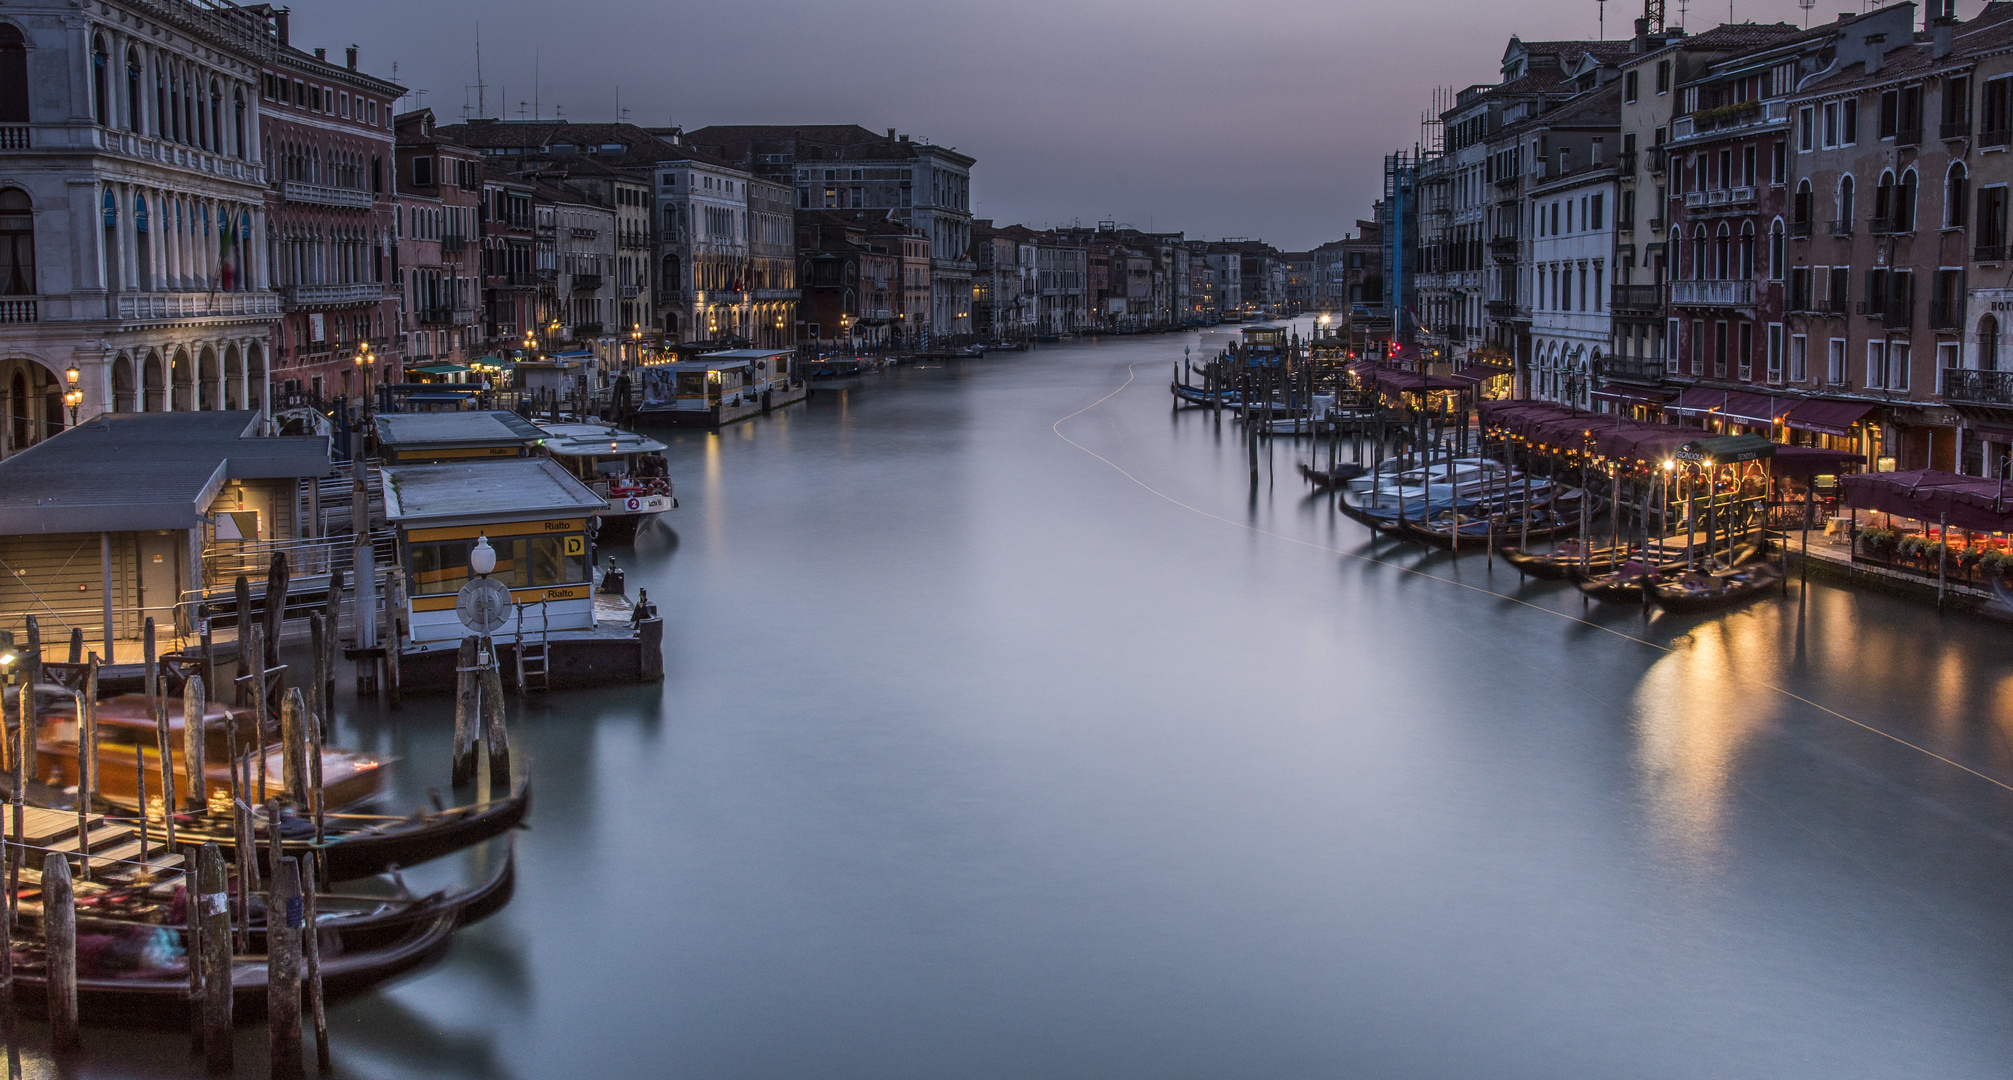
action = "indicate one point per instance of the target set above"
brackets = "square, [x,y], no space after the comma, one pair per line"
[976,758]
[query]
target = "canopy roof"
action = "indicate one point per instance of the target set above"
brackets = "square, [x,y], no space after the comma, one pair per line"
[1967,502]
[1616,436]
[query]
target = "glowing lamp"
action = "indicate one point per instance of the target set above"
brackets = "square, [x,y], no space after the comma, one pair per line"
[482,559]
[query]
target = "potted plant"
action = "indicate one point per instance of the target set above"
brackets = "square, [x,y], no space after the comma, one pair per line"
[1877,541]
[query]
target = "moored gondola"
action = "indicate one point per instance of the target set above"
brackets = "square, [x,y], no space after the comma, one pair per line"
[1327,479]
[1697,591]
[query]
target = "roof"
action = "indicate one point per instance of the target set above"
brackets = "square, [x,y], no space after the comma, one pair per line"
[126,472]
[492,428]
[641,147]
[816,142]
[525,489]
[576,440]
[747,354]
[1991,31]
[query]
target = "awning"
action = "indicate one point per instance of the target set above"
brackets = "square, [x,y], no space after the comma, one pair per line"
[1998,433]
[441,369]
[1734,405]
[1728,449]
[1826,416]
[1966,502]
[1804,461]
[1631,397]
[1480,372]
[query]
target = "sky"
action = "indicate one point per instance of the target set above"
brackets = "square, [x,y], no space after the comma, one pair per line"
[1266,119]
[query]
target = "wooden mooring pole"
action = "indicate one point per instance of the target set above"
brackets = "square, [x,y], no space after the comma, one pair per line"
[285,914]
[213,896]
[467,703]
[59,942]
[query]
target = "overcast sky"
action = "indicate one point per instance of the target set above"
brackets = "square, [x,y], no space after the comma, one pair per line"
[1266,118]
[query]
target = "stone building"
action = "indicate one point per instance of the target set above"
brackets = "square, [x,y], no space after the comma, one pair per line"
[438,272]
[133,212]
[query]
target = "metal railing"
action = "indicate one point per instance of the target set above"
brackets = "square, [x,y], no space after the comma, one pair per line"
[1799,230]
[1995,138]
[1989,253]
[1957,129]
[1728,292]
[1978,387]
[224,560]
[1648,299]
[586,282]
[1841,228]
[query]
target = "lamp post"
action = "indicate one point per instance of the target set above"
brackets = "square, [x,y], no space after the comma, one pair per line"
[73,394]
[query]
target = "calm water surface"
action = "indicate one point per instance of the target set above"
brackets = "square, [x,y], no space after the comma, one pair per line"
[979,756]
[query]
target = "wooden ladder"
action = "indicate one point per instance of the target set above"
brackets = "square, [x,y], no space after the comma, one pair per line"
[533,655]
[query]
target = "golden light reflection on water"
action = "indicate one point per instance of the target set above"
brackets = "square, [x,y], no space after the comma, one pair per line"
[1694,719]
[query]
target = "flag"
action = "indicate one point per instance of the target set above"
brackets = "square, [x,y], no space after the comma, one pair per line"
[227,253]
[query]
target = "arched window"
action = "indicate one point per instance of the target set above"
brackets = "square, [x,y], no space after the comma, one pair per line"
[173,129]
[133,98]
[1843,226]
[1778,251]
[238,122]
[1883,203]
[143,245]
[192,106]
[17,244]
[1744,254]
[216,118]
[1956,193]
[1722,252]
[1699,254]
[1904,203]
[673,282]
[1988,343]
[109,213]
[1800,210]
[13,75]
[101,82]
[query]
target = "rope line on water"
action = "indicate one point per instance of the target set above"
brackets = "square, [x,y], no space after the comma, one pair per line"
[1792,695]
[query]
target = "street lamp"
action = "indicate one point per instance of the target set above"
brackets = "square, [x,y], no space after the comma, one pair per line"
[482,559]
[74,395]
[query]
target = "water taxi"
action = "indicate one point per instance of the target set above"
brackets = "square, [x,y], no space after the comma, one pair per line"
[624,468]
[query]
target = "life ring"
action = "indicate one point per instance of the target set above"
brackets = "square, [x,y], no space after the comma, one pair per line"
[634,504]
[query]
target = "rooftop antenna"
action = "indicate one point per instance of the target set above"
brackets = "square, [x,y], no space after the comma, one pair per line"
[1653,10]
[535,113]
[1682,5]
[481,88]
[1604,18]
[1806,5]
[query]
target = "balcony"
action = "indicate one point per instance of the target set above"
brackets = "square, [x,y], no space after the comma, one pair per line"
[1978,387]
[1503,246]
[1638,300]
[1837,305]
[630,292]
[518,279]
[1880,226]
[1799,230]
[1626,162]
[434,316]
[19,309]
[1841,229]
[1656,225]
[1633,368]
[452,243]
[1908,138]
[198,305]
[1508,183]
[586,282]
[1960,129]
[1721,198]
[295,191]
[1720,293]
[1656,157]
[546,275]
[1995,138]
[1985,253]
[1506,309]
[584,234]
[14,137]
[166,153]
[300,296]
[1946,315]
[586,330]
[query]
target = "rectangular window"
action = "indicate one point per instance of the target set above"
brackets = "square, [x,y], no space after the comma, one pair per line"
[1778,164]
[1876,364]
[1834,371]
[1806,123]
[1997,110]
[1799,289]
[1629,86]
[1897,365]
[1663,76]
[342,102]
[422,172]
[1775,352]
[1746,354]
[1627,220]
[1720,343]
[1831,123]
[1799,359]
[1698,346]
[1850,126]
[1841,289]
[1992,217]
[1598,220]
[1947,355]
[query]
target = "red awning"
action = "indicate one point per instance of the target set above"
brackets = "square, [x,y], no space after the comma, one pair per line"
[1734,405]
[1802,461]
[1966,502]
[1826,416]
[1632,397]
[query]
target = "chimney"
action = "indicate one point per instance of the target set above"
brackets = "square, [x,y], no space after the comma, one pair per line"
[1599,144]
[891,134]
[280,19]
[1875,54]
[321,54]
[1942,37]
[350,55]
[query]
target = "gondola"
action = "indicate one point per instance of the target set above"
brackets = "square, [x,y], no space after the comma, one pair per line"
[1623,585]
[1338,476]
[158,998]
[367,845]
[1439,531]
[1697,591]
[1192,396]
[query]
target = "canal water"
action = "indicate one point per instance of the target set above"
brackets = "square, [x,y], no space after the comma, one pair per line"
[1007,731]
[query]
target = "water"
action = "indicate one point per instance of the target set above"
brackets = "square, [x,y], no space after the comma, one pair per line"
[980,756]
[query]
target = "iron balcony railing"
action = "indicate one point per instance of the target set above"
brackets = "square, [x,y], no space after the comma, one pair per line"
[1841,228]
[1638,299]
[1727,292]
[1978,387]
[1958,129]
[1799,230]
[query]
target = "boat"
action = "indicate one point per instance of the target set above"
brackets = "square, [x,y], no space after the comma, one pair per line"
[127,737]
[1438,530]
[365,845]
[623,467]
[1206,398]
[1624,584]
[1336,477]
[1698,590]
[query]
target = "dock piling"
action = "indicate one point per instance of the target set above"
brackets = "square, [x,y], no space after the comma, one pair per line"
[467,689]
[59,943]
[213,897]
[284,917]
